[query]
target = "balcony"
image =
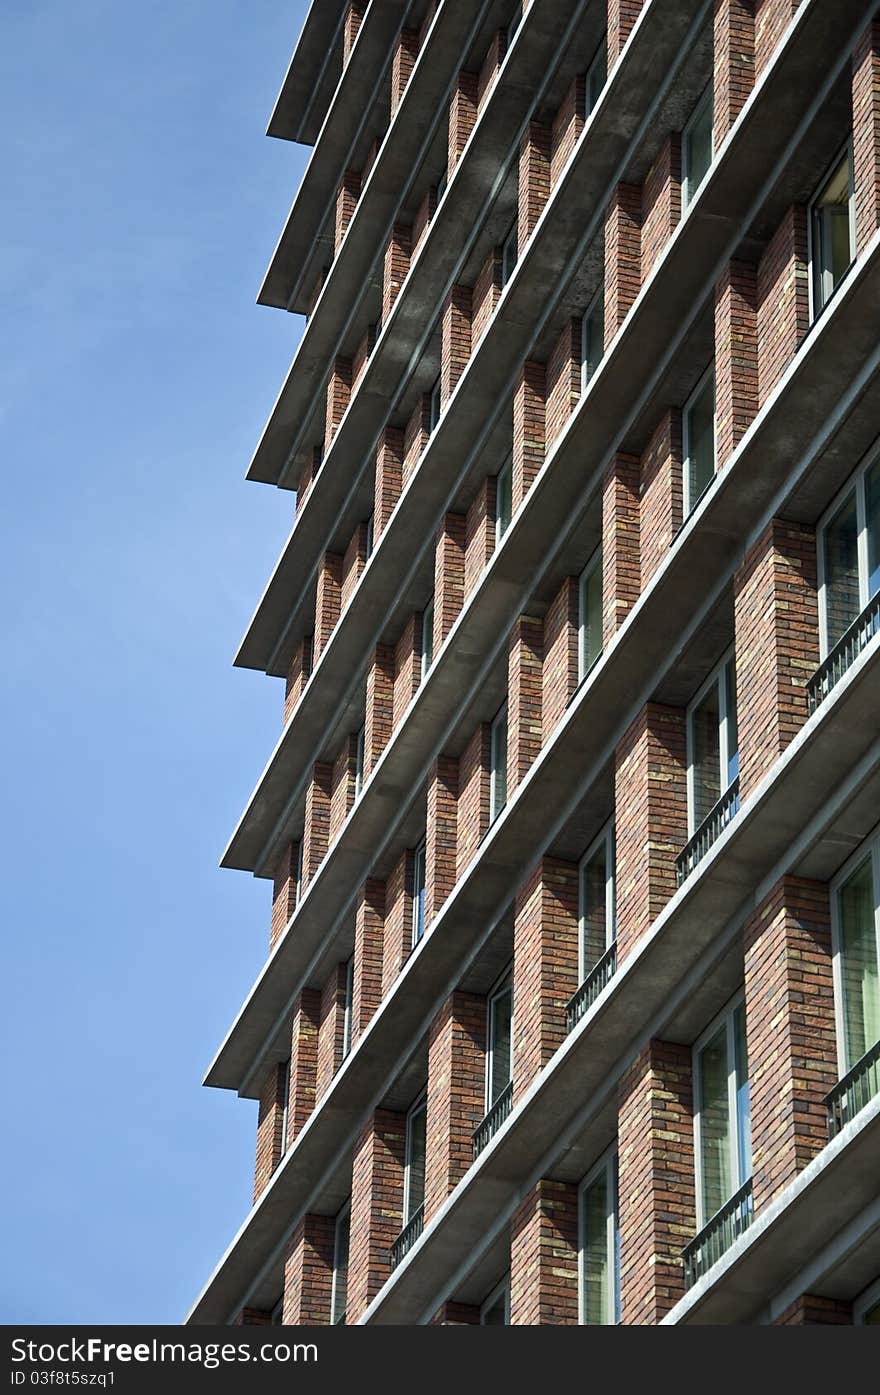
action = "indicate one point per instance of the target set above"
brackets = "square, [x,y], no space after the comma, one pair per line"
[857,1088]
[494,1119]
[716,1238]
[844,654]
[598,978]
[407,1237]
[709,832]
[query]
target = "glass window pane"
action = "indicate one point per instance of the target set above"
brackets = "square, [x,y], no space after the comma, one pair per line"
[594,908]
[499,764]
[714,1110]
[732,723]
[743,1101]
[427,636]
[697,149]
[501,1016]
[705,756]
[594,338]
[856,902]
[418,893]
[840,556]
[597,1268]
[590,603]
[340,1267]
[503,502]
[700,433]
[832,235]
[872,524]
[415,1159]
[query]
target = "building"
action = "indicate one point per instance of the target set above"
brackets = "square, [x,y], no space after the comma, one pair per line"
[570,1012]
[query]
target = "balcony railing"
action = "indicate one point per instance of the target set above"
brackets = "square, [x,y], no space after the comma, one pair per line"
[494,1119]
[407,1237]
[857,1088]
[844,654]
[599,976]
[716,1238]
[709,832]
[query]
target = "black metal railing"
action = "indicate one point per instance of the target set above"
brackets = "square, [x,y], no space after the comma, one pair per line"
[494,1119]
[407,1237]
[716,1238]
[857,1088]
[709,831]
[598,978]
[844,654]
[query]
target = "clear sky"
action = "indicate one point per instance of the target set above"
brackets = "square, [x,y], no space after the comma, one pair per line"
[141,204]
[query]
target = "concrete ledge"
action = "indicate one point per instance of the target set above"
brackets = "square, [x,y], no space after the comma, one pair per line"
[307,89]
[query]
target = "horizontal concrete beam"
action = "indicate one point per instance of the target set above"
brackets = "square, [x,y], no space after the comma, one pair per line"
[307,89]
[792,424]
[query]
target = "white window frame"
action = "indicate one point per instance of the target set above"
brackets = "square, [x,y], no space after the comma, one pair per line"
[503,984]
[418,916]
[607,1164]
[599,58]
[341,1215]
[494,807]
[421,1103]
[508,267]
[435,406]
[505,473]
[593,566]
[586,376]
[604,837]
[870,848]
[347,1007]
[359,760]
[814,270]
[855,483]
[427,644]
[690,504]
[688,194]
[718,678]
[502,1289]
[724,1018]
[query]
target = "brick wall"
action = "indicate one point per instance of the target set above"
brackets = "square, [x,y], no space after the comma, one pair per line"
[529,428]
[456,339]
[568,123]
[316,828]
[369,931]
[405,54]
[415,435]
[559,678]
[376,1207]
[269,1128]
[479,534]
[622,15]
[733,62]
[328,600]
[397,939]
[812,1311]
[305,1026]
[379,706]
[389,478]
[772,18]
[353,563]
[456,1093]
[545,965]
[866,134]
[298,674]
[308,1273]
[342,792]
[491,63]
[623,255]
[783,299]
[473,799]
[486,293]
[454,1314]
[283,892]
[736,356]
[449,555]
[661,491]
[563,379]
[621,562]
[661,203]
[338,397]
[462,117]
[534,178]
[331,1030]
[347,196]
[407,667]
[354,14]
[396,265]
[544,1257]
[424,213]
[441,835]
[524,694]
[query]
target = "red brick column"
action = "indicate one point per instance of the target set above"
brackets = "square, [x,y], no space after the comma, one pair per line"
[783,299]
[441,835]
[661,491]
[308,1273]
[621,562]
[462,117]
[316,828]
[303,1061]
[269,1128]
[298,674]
[479,534]
[369,933]
[524,693]
[544,1257]
[650,802]
[736,357]
[456,339]
[491,63]
[396,265]
[255,1317]
[331,1030]
[563,379]
[424,213]
[622,15]
[790,1029]
[568,123]
[389,478]
[397,941]
[415,435]
[534,178]
[811,1311]
[733,62]
[379,712]
[545,965]
[529,429]
[456,1315]
[353,563]
[486,293]
[283,892]
[866,134]
[407,667]
[354,14]
[623,255]
[342,792]
[347,196]
[405,55]
[777,644]
[772,18]
[448,575]
[338,397]
[656,1190]
[661,202]
[376,1207]
[328,600]
[473,797]
[560,670]
[456,1093]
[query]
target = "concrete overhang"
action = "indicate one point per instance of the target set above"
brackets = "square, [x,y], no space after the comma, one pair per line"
[286,283]
[798,423]
[311,77]
[813,776]
[831,1192]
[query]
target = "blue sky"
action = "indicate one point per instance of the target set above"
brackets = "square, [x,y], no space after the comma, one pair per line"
[141,205]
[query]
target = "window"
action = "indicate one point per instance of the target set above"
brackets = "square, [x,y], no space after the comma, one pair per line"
[855,928]
[499,1037]
[427,637]
[498,764]
[418,911]
[503,499]
[435,403]
[414,1159]
[597,76]
[596,901]
[359,763]
[347,1007]
[698,422]
[722,1125]
[599,1245]
[696,148]
[339,1288]
[370,538]
[832,231]
[590,614]
[849,555]
[712,742]
[495,1311]
[509,254]
[592,337]
[284,1086]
